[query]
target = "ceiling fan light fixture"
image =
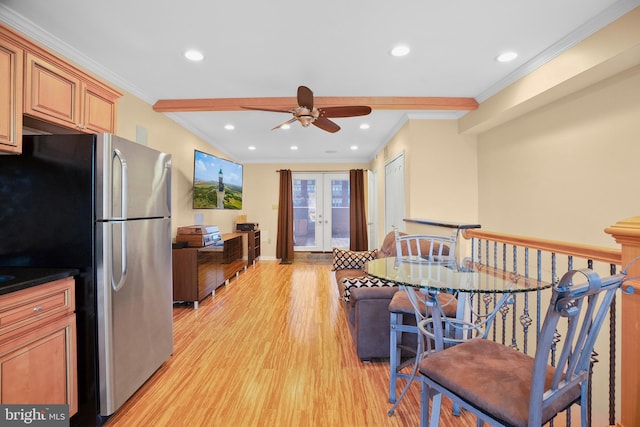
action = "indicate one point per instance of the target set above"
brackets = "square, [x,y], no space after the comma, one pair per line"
[400,50]
[306,120]
[194,55]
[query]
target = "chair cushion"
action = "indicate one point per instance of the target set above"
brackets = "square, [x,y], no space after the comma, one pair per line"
[400,303]
[344,259]
[492,377]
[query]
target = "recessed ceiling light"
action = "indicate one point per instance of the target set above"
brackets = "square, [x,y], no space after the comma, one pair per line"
[354,147]
[294,147]
[229,126]
[507,56]
[287,126]
[251,147]
[364,126]
[194,55]
[400,50]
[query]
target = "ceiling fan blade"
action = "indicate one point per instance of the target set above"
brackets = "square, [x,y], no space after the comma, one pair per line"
[346,111]
[273,110]
[305,97]
[326,124]
[285,123]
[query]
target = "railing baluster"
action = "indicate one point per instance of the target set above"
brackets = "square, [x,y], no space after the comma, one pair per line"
[514,341]
[612,356]
[525,318]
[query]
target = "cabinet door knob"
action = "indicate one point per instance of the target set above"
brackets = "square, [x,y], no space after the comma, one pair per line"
[37,309]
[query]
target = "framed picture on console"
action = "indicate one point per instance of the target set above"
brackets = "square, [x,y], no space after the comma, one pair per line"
[217,182]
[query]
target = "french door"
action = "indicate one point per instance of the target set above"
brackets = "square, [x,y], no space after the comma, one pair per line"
[320,211]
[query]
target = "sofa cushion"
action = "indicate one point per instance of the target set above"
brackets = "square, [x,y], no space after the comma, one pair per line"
[344,259]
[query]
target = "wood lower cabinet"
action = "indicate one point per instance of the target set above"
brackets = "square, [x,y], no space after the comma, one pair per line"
[198,272]
[11,64]
[253,245]
[38,346]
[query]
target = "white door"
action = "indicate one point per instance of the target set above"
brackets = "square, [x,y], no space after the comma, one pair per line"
[394,194]
[320,211]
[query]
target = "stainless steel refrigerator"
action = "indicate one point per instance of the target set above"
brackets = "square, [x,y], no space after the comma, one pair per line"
[101,204]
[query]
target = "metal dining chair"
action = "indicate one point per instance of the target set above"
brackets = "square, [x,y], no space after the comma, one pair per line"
[505,387]
[422,248]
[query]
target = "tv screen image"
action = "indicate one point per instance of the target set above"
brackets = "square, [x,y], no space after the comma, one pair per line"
[217,182]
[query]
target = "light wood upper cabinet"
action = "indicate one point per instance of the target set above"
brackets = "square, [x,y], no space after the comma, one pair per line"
[56,95]
[38,345]
[99,112]
[11,63]
[51,92]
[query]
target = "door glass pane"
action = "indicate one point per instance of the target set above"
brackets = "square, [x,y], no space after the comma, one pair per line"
[340,213]
[320,211]
[304,212]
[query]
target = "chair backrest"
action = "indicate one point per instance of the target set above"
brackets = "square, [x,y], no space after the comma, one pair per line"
[572,323]
[428,246]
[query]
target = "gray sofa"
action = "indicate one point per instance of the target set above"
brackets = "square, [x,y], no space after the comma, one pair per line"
[365,299]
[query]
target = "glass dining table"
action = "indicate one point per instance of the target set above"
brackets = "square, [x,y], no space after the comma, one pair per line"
[425,278]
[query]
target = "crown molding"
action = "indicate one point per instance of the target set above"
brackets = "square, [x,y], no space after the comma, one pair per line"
[46,39]
[604,18]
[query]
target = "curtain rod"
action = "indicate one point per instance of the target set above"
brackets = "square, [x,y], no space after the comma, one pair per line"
[309,171]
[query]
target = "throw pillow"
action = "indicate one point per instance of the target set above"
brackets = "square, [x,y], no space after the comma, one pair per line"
[351,260]
[365,281]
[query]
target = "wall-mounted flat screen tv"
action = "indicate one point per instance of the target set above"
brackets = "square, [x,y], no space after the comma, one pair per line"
[217,183]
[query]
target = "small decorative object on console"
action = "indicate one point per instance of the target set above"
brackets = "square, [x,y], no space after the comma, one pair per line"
[197,236]
[247,226]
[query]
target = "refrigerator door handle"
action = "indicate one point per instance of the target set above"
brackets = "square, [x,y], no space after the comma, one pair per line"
[123,260]
[123,182]
[123,231]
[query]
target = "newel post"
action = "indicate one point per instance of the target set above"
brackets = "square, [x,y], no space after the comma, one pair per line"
[627,233]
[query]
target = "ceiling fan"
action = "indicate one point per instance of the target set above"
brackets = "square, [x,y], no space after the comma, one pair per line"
[307,114]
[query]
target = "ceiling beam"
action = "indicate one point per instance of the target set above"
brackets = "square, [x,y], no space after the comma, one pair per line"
[286,103]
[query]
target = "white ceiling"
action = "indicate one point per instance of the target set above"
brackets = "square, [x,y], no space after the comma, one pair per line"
[337,48]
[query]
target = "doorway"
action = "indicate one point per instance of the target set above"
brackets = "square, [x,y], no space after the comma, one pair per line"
[320,211]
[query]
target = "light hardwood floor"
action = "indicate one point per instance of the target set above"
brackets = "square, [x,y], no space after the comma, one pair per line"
[272,348]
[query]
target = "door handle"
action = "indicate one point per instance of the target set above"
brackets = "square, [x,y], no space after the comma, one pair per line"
[123,258]
[123,231]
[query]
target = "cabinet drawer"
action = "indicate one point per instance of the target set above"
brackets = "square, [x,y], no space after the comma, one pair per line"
[31,305]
